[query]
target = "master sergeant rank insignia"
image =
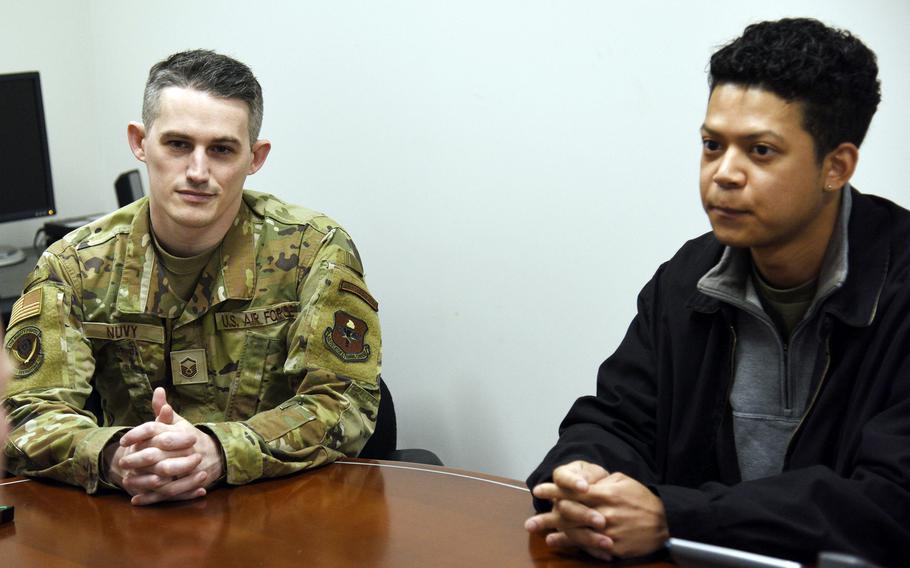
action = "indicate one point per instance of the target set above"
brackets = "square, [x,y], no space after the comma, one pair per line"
[188,367]
[347,339]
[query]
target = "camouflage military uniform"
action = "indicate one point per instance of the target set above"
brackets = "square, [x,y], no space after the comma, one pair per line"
[277,352]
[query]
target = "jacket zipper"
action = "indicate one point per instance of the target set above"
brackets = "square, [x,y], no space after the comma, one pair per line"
[728,406]
[818,389]
[732,368]
[787,382]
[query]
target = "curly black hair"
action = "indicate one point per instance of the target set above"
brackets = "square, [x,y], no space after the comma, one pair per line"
[829,70]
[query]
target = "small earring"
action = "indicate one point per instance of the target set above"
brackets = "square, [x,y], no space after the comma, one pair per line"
[828,187]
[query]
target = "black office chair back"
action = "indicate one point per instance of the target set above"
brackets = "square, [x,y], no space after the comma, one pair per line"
[383,444]
[384,440]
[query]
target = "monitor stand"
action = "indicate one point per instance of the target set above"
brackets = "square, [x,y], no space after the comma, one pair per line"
[10,255]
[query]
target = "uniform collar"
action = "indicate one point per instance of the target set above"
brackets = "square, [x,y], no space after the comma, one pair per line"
[856,303]
[236,278]
[229,275]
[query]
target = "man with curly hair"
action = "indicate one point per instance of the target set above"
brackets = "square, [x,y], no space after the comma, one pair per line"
[761,397]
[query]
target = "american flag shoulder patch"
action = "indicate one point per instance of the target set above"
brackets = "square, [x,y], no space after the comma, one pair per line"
[26,307]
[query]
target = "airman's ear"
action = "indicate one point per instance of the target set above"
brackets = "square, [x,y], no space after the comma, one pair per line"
[261,151]
[135,134]
[839,165]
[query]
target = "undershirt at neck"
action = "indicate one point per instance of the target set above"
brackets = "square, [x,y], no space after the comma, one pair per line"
[182,272]
[785,307]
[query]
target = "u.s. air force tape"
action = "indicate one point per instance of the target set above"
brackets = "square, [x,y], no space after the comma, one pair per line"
[258,317]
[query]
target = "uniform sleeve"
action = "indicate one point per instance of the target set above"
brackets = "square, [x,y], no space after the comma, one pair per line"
[859,503]
[52,434]
[334,344]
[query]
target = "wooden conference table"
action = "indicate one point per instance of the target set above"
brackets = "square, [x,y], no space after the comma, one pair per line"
[352,513]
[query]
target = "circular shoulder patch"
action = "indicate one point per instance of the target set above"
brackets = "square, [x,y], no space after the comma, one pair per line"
[26,350]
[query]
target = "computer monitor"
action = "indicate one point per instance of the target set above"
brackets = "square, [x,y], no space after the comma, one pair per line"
[26,190]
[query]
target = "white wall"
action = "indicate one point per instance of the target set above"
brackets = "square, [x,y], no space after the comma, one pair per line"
[513,172]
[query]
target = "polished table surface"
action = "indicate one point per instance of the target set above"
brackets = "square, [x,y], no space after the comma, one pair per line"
[352,513]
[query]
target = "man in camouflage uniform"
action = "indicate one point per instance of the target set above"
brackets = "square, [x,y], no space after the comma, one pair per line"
[221,333]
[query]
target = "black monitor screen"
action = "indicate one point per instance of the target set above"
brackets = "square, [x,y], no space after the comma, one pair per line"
[25,168]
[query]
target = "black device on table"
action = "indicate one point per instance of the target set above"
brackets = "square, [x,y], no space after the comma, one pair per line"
[692,554]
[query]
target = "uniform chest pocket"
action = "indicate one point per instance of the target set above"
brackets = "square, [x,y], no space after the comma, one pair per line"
[126,371]
[259,382]
[129,362]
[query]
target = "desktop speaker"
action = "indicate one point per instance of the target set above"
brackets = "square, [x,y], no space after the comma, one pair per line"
[128,187]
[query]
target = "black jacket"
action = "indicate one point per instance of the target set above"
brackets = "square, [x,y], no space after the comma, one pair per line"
[662,412]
